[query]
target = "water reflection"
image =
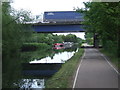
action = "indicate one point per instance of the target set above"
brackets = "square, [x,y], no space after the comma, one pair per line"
[33,68]
[57,58]
[30,83]
[40,69]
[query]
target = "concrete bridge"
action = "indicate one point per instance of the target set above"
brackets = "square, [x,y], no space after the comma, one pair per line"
[58,27]
[60,22]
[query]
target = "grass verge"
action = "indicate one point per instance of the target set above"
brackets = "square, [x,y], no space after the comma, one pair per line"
[63,77]
[114,59]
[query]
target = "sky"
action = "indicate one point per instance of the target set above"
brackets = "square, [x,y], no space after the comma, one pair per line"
[38,7]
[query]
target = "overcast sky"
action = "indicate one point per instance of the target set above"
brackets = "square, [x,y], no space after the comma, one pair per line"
[39,6]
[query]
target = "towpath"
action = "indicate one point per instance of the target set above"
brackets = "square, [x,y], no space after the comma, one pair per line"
[95,71]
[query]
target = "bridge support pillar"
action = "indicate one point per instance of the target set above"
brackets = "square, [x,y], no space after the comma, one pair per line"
[96,41]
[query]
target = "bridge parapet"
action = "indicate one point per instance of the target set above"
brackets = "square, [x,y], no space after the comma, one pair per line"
[59,23]
[64,21]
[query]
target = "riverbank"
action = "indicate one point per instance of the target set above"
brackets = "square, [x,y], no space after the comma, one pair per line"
[34,46]
[63,78]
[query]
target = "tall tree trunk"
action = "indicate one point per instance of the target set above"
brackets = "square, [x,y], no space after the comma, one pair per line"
[96,40]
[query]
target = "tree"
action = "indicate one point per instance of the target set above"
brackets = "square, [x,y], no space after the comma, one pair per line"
[70,38]
[13,36]
[57,39]
[103,19]
[89,38]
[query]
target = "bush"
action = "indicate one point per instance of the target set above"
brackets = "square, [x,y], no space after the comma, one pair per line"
[34,46]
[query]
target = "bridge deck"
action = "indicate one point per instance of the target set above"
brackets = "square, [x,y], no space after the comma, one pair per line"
[58,27]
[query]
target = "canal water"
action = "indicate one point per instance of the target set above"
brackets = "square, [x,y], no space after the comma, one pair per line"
[37,66]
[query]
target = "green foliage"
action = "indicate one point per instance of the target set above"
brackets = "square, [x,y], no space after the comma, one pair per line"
[35,46]
[47,38]
[13,36]
[57,39]
[103,19]
[70,38]
[37,54]
[112,57]
[89,38]
[13,32]
[50,38]
[62,78]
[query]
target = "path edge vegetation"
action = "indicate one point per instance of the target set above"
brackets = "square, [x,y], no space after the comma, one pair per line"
[112,58]
[102,19]
[64,77]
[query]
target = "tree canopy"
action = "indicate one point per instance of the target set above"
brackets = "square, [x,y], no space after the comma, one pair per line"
[103,18]
[13,36]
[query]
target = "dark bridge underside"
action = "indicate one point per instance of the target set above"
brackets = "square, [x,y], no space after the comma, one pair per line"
[58,28]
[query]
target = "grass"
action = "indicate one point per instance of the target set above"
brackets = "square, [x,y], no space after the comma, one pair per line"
[114,59]
[64,76]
